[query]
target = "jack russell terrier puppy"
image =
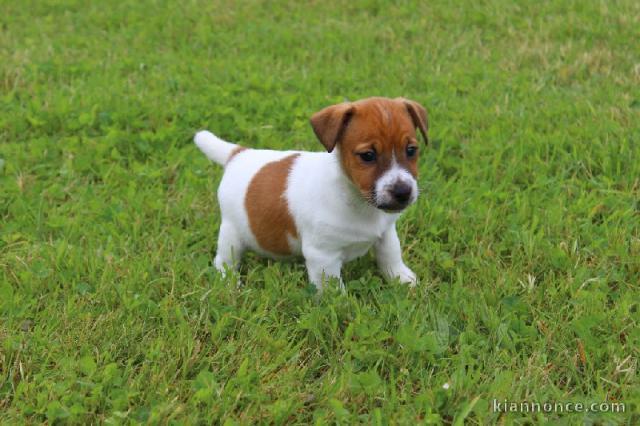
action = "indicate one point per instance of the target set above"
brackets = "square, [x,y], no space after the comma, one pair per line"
[330,207]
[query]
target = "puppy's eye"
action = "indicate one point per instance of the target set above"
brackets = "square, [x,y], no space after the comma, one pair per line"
[412,151]
[367,156]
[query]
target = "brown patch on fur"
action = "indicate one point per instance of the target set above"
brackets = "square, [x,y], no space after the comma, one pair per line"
[267,206]
[235,152]
[383,125]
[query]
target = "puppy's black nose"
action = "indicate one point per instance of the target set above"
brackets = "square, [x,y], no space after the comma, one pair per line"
[401,192]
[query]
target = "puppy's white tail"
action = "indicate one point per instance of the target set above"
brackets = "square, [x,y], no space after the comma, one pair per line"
[213,147]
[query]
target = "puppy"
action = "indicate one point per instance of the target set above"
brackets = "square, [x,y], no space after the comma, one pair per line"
[330,207]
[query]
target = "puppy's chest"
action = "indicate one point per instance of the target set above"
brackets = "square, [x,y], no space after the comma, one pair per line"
[351,239]
[355,250]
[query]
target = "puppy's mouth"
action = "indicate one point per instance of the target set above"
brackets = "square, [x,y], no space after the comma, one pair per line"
[393,207]
[390,206]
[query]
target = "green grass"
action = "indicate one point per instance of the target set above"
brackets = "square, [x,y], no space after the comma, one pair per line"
[526,238]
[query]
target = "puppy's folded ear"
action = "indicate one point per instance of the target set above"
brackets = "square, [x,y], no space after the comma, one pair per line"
[418,115]
[330,123]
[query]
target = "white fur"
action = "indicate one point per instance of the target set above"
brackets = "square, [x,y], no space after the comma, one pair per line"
[334,223]
[213,147]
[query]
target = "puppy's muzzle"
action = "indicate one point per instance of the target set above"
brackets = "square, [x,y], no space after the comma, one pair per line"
[397,196]
[401,192]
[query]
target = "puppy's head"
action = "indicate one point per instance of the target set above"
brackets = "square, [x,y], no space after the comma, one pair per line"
[376,139]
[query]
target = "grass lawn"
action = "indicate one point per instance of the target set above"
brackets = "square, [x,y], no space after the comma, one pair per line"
[526,238]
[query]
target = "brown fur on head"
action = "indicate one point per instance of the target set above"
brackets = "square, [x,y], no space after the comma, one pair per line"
[370,134]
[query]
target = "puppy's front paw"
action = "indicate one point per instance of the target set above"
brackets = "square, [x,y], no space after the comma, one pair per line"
[403,274]
[407,276]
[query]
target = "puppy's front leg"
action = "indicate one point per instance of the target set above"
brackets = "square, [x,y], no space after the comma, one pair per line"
[389,257]
[322,266]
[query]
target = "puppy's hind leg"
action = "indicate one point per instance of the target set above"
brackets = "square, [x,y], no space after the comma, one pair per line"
[230,249]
